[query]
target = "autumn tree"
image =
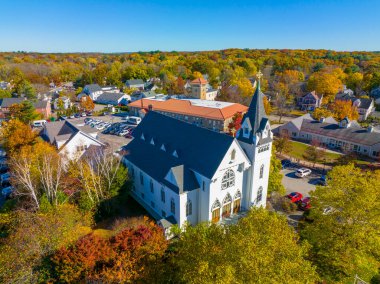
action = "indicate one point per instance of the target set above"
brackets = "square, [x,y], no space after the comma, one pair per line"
[235,124]
[313,153]
[16,134]
[132,255]
[343,108]
[283,144]
[267,105]
[325,83]
[344,233]
[87,103]
[32,237]
[260,246]
[25,88]
[24,111]
[319,113]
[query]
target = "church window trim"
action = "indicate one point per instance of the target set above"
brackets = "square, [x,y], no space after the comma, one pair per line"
[228,179]
[261,171]
[237,195]
[227,199]
[259,194]
[172,206]
[215,205]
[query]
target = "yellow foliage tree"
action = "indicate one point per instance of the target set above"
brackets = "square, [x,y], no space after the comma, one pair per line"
[197,75]
[267,106]
[325,83]
[321,112]
[16,134]
[87,103]
[342,109]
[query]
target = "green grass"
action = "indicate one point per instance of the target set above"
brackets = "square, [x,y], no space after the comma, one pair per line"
[298,149]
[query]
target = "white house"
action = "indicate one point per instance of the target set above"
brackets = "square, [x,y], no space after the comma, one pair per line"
[70,141]
[185,173]
[93,90]
[66,103]
[113,99]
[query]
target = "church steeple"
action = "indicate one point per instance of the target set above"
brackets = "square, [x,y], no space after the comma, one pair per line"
[255,120]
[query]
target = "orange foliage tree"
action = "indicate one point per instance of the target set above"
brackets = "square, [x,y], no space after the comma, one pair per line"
[342,109]
[235,124]
[131,255]
[324,83]
[17,134]
[87,103]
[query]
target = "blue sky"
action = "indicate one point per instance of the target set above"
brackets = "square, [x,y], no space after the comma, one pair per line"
[124,26]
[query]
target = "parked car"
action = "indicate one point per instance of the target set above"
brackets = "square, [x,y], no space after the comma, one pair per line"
[303,172]
[83,114]
[125,117]
[7,191]
[89,113]
[87,120]
[134,120]
[63,117]
[285,163]
[39,123]
[3,169]
[322,180]
[305,204]
[72,116]
[77,115]
[295,197]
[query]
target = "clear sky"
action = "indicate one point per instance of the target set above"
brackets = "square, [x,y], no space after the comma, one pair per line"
[124,26]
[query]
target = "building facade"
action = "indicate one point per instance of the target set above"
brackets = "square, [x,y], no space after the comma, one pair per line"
[188,174]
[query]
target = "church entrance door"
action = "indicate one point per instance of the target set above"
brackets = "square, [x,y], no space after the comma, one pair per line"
[226,210]
[237,205]
[216,215]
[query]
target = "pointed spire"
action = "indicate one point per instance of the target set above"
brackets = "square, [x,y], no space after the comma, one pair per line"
[256,110]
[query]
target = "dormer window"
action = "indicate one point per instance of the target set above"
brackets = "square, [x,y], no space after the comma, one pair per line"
[142,136]
[152,141]
[246,131]
[163,148]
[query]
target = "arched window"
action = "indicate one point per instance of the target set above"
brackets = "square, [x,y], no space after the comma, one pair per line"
[189,208]
[259,194]
[172,206]
[228,179]
[227,199]
[151,186]
[215,205]
[237,195]
[261,171]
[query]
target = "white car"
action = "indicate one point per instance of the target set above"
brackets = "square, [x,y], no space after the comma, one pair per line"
[303,172]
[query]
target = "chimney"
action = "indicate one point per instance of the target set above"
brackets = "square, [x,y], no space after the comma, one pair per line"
[150,107]
[370,129]
[322,119]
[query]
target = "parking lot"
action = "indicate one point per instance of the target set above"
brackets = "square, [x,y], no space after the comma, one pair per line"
[114,140]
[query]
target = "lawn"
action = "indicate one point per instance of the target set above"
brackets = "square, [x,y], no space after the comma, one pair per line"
[298,149]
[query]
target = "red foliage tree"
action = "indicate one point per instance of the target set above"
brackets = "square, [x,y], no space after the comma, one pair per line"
[235,124]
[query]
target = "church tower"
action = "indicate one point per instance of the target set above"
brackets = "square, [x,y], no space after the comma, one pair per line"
[255,137]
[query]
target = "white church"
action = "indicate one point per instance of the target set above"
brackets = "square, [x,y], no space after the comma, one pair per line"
[185,173]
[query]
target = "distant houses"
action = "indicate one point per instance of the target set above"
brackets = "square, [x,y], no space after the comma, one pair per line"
[137,84]
[42,107]
[310,101]
[62,103]
[345,135]
[200,89]
[93,91]
[113,99]
[365,106]
[104,95]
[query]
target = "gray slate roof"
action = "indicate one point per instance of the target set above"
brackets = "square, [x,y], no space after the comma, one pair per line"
[41,104]
[59,130]
[134,82]
[7,102]
[108,96]
[91,88]
[353,134]
[198,149]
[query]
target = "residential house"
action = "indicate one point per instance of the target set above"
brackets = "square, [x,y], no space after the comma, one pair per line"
[92,90]
[187,174]
[137,84]
[365,106]
[375,94]
[143,95]
[213,115]
[111,89]
[43,107]
[64,101]
[113,99]
[310,101]
[5,85]
[346,135]
[70,141]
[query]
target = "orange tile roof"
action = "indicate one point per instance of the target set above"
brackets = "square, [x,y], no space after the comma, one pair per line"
[199,81]
[186,108]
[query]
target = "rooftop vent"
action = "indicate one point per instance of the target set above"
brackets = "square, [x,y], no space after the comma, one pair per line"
[142,136]
[175,154]
[163,148]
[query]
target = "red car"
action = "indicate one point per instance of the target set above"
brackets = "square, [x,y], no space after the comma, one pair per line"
[305,204]
[295,197]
